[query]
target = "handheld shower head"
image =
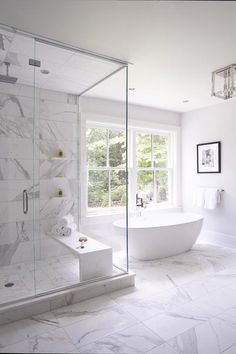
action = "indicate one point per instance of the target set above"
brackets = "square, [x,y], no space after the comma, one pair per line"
[6,78]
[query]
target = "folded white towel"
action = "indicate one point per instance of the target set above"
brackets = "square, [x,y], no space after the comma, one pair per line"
[66,220]
[59,230]
[212,198]
[66,231]
[72,226]
[199,198]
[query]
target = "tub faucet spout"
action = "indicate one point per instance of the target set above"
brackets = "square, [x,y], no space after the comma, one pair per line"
[139,201]
[139,205]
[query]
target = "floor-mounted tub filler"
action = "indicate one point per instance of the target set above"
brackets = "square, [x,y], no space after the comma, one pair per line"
[161,235]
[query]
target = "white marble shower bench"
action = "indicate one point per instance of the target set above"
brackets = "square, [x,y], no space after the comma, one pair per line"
[95,259]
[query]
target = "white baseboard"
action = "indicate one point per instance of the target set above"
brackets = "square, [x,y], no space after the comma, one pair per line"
[217,238]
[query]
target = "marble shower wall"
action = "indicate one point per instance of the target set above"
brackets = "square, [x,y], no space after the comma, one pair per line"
[27,163]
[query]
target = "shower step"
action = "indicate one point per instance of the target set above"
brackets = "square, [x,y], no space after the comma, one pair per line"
[48,302]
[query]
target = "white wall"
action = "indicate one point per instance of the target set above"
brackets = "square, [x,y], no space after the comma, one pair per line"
[136,112]
[207,125]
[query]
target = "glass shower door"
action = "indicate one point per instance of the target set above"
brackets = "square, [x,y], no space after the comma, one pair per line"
[56,264]
[18,189]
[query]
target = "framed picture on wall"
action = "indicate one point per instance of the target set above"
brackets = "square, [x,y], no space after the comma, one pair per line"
[209,157]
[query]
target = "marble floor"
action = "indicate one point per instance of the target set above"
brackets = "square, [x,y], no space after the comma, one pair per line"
[38,277]
[184,304]
[41,276]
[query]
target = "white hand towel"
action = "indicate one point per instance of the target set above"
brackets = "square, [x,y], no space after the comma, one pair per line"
[63,230]
[57,230]
[66,220]
[73,227]
[199,198]
[66,231]
[212,198]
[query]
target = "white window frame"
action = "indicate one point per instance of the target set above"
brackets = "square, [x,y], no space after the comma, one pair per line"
[110,209]
[169,168]
[99,121]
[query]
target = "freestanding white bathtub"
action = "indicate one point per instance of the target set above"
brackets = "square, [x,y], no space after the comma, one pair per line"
[161,235]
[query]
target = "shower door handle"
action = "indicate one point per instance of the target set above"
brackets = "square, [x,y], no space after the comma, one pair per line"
[25,201]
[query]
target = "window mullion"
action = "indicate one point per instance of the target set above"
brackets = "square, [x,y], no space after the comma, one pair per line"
[107,144]
[154,186]
[108,169]
[152,163]
[109,188]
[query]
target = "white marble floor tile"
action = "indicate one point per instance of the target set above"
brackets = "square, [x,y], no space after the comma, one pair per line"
[89,330]
[163,349]
[135,339]
[197,310]
[214,336]
[231,350]
[173,297]
[84,310]
[217,301]
[187,300]
[199,288]
[131,294]
[228,317]
[20,330]
[171,324]
[56,341]
[143,309]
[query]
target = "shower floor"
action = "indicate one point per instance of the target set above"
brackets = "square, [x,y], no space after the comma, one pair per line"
[41,276]
[38,277]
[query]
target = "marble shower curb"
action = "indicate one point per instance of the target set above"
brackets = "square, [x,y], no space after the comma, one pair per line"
[49,302]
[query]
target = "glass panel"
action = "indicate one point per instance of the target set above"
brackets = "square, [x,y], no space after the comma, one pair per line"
[145,185]
[64,144]
[17,182]
[105,201]
[96,147]
[43,154]
[118,192]
[117,147]
[98,196]
[161,185]
[160,151]
[57,264]
[143,150]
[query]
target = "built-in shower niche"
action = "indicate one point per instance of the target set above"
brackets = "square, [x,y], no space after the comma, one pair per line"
[43,164]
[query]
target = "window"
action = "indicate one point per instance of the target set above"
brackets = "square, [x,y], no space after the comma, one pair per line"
[106,167]
[153,167]
[150,170]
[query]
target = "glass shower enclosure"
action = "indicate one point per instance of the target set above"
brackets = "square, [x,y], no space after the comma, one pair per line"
[63,166]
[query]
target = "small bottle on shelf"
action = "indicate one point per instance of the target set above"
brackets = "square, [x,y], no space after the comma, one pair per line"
[60,193]
[60,153]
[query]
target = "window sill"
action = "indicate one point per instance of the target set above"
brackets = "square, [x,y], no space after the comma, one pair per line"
[122,210]
[105,211]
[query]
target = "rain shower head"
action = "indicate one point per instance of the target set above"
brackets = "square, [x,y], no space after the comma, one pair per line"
[6,78]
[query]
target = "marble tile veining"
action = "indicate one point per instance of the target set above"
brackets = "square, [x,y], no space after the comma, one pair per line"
[181,305]
[40,275]
[135,339]
[55,342]
[16,169]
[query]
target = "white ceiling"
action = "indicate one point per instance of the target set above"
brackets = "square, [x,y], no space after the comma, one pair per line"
[174,45]
[67,70]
